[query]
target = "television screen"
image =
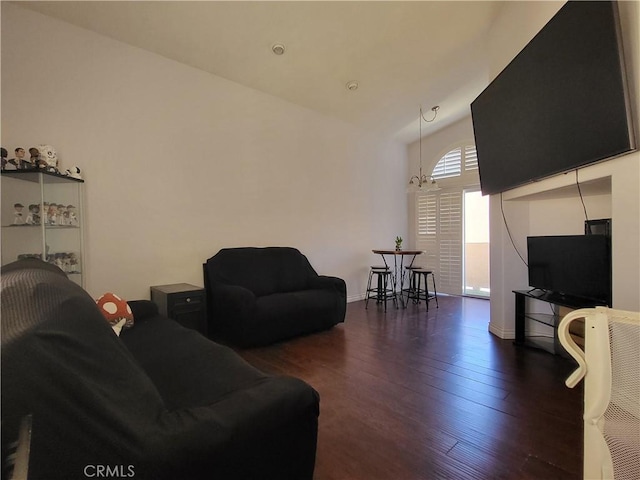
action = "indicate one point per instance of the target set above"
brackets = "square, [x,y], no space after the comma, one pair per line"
[572,265]
[560,104]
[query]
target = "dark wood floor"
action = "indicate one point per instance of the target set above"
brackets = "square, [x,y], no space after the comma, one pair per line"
[406,395]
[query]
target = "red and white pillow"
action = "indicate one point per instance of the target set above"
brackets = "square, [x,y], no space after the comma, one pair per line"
[116,311]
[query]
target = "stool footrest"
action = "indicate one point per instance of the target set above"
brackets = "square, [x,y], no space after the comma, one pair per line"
[382,290]
[416,292]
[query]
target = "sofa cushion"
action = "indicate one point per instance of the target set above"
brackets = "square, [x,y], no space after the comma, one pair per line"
[263,270]
[285,315]
[187,377]
[286,304]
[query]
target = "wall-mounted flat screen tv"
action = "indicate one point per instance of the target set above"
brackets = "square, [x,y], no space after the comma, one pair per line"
[560,104]
[577,266]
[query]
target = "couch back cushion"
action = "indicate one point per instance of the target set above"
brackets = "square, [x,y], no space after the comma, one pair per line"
[263,270]
[63,364]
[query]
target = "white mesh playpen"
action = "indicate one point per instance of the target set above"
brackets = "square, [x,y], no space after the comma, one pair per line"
[610,366]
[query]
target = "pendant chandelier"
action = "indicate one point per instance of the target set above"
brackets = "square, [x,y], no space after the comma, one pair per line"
[421,181]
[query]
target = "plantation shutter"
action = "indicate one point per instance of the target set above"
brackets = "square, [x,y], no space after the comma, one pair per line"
[449,165]
[427,230]
[450,243]
[470,158]
[439,232]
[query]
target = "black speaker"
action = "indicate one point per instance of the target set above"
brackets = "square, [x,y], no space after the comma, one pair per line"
[598,227]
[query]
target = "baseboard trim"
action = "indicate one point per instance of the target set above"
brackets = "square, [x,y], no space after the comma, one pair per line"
[505,334]
[355,298]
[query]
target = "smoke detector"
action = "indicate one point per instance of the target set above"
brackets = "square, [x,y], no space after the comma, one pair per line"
[278,48]
[352,85]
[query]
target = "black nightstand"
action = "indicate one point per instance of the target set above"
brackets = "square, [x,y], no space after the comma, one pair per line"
[184,303]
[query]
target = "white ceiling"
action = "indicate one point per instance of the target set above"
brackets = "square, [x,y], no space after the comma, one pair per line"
[402,54]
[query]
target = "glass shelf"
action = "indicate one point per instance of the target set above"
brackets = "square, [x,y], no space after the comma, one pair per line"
[30,200]
[544,318]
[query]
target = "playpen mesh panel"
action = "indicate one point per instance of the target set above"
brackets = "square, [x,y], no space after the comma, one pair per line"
[622,417]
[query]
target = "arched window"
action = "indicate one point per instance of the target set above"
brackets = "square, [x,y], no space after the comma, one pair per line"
[456,162]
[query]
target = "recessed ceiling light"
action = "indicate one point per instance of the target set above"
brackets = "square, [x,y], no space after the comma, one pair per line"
[278,49]
[353,85]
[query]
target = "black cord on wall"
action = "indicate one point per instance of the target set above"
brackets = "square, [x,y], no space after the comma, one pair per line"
[509,232]
[586,217]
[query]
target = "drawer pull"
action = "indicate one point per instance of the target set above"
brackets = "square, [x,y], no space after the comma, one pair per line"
[188,300]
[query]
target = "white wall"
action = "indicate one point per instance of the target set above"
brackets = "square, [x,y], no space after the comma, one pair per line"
[179,163]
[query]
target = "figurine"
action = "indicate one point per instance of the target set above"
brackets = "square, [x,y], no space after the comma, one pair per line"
[34,215]
[19,161]
[6,165]
[73,216]
[58,260]
[67,263]
[63,215]
[73,263]
[35,157]
[53,214]
[49,156]
[45,212]
[18,220]
[73,172]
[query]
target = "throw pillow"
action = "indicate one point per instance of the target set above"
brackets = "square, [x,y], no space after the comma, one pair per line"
[116,311]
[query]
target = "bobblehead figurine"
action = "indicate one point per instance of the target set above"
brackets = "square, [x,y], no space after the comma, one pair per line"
[17,216]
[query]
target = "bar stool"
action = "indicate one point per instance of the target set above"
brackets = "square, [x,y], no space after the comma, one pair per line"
[418,294]
[381,290]
[411,289]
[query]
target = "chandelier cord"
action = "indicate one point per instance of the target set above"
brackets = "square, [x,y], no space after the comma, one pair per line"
[420,149]
[421,178]
[435,114]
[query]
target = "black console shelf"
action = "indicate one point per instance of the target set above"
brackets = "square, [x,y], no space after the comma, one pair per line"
[550,344]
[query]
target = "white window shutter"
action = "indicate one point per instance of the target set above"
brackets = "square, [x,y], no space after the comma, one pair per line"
[427,208]
[427,214]
[450,243]
[449,165]
[439,227]
[470,158]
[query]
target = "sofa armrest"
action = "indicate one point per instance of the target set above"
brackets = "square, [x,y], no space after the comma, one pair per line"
[143,309]
[273,422]
[326,282]
[231,299]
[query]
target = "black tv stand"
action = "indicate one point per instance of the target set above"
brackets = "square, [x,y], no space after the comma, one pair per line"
[536,289]
[550,344]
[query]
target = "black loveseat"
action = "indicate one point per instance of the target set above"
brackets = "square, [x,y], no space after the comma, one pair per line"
[257,296]
[160,401]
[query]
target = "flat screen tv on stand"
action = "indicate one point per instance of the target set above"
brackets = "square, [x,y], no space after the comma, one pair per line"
[562,102]
[573,270]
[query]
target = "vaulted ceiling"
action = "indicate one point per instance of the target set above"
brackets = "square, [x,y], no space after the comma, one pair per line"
[403,55]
